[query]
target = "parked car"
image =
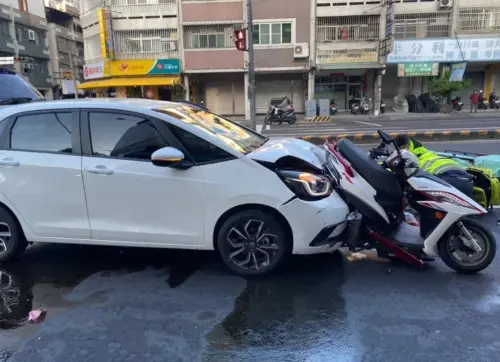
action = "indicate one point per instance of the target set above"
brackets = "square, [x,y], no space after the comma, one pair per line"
[15,89]
[144,173]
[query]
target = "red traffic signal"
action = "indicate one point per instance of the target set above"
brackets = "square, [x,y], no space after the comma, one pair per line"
[240,39]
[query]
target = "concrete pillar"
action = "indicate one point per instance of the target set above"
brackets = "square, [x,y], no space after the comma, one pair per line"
[312,51]
[404,86]
[187,96]
[454,18]
[246,85]
[49,94]
[377,93]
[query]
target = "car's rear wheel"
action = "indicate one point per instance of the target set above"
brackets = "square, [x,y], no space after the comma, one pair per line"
[12,240]
[253,243]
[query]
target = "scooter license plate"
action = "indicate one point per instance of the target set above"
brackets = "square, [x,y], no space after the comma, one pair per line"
[276,111]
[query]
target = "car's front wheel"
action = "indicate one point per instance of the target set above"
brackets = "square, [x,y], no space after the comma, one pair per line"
[12,240]
[253,243]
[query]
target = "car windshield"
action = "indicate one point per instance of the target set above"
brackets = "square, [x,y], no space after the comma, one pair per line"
[235,136]
[15,89]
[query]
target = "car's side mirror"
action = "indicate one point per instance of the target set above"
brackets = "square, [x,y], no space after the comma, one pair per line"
[167,157]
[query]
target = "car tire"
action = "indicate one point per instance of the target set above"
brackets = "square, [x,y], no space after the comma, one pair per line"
[249,251]
[12,239]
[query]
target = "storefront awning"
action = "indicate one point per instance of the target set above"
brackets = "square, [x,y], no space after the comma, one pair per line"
[130,82]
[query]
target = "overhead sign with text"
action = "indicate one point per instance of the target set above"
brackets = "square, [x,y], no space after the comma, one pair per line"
[418,69]
[447,50]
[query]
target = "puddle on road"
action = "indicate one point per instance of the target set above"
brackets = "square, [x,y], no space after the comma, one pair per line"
[285,315]
[46,273]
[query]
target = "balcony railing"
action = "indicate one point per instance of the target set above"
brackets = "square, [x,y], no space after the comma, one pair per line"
[479,19]
[347,56]
[208,37]
[347,28]
[411,26]
[137,7]
[146,44]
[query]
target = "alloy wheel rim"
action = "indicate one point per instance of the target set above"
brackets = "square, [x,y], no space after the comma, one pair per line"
[253,247]
[471,258]
[5,237]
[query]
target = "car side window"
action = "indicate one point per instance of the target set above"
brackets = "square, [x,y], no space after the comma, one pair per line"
[43,132]
[200,150]
[124,136]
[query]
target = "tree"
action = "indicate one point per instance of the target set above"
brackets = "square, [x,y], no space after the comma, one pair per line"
[442,87]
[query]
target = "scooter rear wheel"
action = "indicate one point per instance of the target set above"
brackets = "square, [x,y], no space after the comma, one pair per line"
[463,259]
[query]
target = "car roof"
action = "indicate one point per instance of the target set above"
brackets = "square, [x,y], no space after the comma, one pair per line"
[125,104]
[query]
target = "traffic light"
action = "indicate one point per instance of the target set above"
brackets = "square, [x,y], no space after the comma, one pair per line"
[23,60]
[240,39]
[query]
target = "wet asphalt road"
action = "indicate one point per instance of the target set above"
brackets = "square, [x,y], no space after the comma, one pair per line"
[112,304]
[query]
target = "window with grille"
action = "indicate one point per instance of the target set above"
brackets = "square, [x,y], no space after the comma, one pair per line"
[348,28]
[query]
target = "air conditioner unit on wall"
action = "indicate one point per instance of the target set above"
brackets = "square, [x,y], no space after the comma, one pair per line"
[301,51]
[445,4]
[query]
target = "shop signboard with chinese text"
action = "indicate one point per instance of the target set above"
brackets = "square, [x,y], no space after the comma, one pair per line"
[457,72]
[94,71]
[447,50]
[347,56]
[145,67]
[106,34]
[418,69]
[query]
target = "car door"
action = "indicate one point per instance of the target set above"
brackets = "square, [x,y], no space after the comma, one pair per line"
[40,173]
[128,198]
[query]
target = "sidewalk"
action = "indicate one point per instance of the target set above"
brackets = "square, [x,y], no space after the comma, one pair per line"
[393,116]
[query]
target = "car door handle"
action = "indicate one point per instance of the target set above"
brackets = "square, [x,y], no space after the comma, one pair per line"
[102,170]
[9,162]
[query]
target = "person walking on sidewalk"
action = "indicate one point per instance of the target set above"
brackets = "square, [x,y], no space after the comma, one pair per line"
[474,100]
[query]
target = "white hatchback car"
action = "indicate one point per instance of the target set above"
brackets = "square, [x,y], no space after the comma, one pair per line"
[142,173]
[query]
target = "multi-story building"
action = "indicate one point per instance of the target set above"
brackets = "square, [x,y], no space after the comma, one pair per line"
[433,35]
[304,49]
[132,48]
[65,44]
[218,73]
[347,35]
[23,34]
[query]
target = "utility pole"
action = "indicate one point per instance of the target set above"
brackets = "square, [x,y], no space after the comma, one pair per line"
[13,36]
[251,66]
[72,67]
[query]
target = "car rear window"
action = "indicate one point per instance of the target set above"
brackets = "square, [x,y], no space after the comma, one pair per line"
[13,86]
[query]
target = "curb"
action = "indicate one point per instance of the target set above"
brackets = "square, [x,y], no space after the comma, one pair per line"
[373,137]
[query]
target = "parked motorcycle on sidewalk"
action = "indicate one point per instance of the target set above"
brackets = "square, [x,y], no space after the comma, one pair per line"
[333,108]
[377,200]
[382,107]
[281,112]
[457,104]
[355,105]
[365,105]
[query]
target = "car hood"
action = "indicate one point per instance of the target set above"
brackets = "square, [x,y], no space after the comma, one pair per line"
[276,148]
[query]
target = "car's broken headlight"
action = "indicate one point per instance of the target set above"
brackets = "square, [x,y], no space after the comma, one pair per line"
[306,185]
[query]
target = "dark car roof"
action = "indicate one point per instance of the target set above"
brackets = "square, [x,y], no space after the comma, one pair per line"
[15,87]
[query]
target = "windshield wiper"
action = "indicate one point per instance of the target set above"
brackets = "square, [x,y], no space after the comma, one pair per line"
[18,100]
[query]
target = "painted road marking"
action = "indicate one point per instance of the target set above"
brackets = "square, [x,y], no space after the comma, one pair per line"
[259,128]
[368,123]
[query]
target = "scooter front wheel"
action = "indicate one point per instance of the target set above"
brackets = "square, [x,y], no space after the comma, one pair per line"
[463,258]
[268,120]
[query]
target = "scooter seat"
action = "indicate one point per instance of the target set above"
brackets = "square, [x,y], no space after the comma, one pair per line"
[384,182]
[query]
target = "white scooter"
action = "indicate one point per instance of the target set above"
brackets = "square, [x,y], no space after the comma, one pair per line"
[378,199]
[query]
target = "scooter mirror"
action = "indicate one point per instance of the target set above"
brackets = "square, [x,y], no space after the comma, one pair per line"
[384,136]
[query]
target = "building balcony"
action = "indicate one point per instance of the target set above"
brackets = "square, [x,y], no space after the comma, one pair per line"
[125,9]
[348,55]
[419,26]
[211,11]
[146,44]
[347,7]
[65,32]
[479,19]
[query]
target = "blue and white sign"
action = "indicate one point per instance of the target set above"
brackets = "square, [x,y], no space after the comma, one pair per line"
[445,50]
[457,72]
